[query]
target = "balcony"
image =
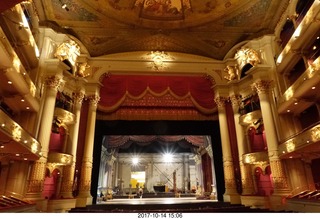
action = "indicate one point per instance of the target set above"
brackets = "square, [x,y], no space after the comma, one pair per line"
[299,40]
[303,92]
[256,158]
[250,118]
[16,143]
[63,116]
[17,88]
[59,159]
[304,144]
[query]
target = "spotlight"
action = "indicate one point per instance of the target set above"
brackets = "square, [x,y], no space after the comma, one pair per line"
[167,157]
[65,7]
[135,161]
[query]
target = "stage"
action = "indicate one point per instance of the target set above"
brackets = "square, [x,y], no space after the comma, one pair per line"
[153,201]
[164,204]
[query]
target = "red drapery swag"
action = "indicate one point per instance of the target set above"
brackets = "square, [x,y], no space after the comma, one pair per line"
[115,141]
[116,88]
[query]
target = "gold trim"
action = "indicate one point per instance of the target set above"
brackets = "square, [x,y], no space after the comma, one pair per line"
[60,158]
[249,118]
[64,116]
[256,158]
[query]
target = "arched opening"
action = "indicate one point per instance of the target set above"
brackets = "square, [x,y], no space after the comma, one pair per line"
[172,177]
[263,181]
[68,63]
[51,184]
[286,32]
[244,69]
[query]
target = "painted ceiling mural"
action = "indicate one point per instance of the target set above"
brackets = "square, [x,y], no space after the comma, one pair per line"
[208,28]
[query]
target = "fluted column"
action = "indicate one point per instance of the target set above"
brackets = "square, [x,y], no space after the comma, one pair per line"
[246,175]
[279,178]
[230,194]
[69,171]
[84,196]
[37,176]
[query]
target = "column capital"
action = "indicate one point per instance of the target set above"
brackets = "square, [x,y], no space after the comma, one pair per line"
[262,86]
[78,97]
[220,101]
[53,81]
[94,99]
[235,100]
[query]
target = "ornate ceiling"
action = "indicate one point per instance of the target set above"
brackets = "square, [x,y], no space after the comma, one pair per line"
[202,27]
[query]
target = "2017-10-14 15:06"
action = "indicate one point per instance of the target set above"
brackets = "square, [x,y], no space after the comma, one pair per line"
[160,215]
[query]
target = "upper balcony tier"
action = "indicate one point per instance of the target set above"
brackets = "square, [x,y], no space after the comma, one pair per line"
[304,92]
[17,89]
[300,39]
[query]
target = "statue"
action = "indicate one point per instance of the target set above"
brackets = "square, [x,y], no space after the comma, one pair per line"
[247,55]
[82,68]
[232,72]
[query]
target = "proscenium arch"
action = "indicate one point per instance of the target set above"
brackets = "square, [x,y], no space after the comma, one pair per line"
[132,63]
[210,128]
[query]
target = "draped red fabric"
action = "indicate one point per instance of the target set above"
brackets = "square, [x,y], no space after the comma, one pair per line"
[115,141]
[207,172]
[116,87]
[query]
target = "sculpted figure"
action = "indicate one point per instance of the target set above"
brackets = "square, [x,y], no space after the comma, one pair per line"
[232,72]
[247,55]
[82,68]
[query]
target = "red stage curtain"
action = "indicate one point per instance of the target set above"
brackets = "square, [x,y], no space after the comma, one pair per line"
[117,87]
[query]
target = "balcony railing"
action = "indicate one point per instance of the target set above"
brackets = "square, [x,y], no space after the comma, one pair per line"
[300,140]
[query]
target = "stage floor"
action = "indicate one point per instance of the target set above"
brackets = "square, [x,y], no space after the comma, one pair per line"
[141,201]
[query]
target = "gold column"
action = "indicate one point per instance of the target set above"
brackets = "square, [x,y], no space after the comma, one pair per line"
[84,198]
[37,176]
[231,194]
[69,171]
[279,178]
[245,169]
